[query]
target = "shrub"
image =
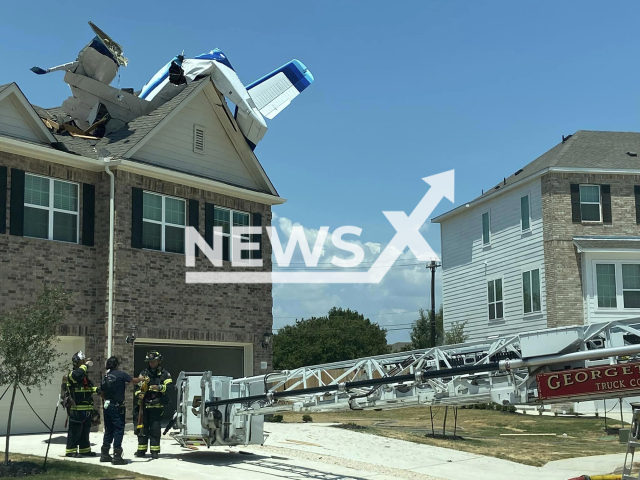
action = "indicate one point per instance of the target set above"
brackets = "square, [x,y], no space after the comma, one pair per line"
[273,418]
[307,418]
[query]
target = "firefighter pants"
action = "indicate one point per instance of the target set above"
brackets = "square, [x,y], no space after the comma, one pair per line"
[78,434]
[152,429]
[113,426]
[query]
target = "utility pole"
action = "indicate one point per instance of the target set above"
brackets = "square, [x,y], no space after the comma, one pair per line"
[432,266]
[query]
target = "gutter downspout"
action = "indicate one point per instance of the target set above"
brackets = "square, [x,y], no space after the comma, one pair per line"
[111,261]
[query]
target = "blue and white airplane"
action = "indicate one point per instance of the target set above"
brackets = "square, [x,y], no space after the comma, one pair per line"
[266,97]
[97,65]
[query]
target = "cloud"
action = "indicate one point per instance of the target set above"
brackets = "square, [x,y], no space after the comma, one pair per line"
[393,303]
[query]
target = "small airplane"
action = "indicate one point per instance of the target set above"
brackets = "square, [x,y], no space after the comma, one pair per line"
[98,63]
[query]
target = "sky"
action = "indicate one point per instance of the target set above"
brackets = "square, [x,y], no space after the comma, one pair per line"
[402,91]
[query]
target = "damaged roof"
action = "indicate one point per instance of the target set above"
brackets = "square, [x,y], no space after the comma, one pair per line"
[117,143]
[584,149]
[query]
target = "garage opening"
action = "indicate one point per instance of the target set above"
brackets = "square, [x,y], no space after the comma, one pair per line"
[224,361]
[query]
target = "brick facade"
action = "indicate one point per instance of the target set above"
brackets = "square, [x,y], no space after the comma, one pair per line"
[562,261]
[149,287]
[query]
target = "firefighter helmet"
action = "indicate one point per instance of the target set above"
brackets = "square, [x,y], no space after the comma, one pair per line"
[153,355]
[78,358]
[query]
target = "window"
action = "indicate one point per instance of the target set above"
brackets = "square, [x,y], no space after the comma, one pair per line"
[163,223]
[222,218]
[531,291]
[198,139]
[631,285]
[50,209]
[606,285]
[525,216]
[590,203]
[496,307]
[486,229]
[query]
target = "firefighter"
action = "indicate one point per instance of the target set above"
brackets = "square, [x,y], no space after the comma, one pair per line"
[112,389]
[81,391]
[153,403]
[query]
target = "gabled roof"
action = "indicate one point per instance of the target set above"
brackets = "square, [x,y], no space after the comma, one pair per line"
[11,90]
[585,150]
[122,143]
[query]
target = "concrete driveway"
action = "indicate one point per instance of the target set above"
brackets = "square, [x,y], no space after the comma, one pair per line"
[316,451]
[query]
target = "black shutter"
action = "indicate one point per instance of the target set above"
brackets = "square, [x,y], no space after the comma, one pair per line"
[636,190]
[16,217]
[576,216]
[194,217]
[208,223]
[257,238]
[136,217]
[3,199]
[88,214]
[605,194]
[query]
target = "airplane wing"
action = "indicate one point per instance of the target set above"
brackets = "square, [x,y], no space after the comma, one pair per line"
[275,91]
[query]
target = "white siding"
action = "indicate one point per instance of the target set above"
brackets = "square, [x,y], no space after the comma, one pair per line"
[593,313]
[13,123]
[468,264]
[172,146]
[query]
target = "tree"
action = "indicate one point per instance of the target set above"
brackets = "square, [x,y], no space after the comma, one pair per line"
[421,332]
[28,354]
[341,335]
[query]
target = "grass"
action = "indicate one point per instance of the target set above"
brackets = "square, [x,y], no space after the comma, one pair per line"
[70,470]
[481,431]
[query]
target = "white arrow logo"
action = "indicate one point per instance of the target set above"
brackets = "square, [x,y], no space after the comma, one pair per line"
[407,235]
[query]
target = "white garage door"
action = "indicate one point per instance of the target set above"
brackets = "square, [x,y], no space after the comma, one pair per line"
[43,401]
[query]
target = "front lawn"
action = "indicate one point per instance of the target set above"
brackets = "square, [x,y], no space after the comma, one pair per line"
[482,429]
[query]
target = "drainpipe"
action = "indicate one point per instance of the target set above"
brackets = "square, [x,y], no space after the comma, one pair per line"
[108,163]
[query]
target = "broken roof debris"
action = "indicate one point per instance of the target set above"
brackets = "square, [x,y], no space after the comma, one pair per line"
[97,110]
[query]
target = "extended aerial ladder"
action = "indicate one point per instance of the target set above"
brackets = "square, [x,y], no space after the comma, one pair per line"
[224,411]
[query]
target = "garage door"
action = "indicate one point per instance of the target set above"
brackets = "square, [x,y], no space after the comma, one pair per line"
[43,401]
[224,361]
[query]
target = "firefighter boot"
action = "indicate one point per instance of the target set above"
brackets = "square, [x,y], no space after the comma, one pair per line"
[117,457]
[154,455]
[104,455]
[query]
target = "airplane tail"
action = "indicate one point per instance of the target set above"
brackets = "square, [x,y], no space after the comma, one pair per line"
[275,91]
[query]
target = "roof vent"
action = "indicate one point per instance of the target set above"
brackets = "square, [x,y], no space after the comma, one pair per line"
[497,187]
[198,139]
[632,154]
[518,172]
[564,139]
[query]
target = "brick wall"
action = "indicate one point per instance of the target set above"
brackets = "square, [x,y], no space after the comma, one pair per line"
[562,261]
[150,290]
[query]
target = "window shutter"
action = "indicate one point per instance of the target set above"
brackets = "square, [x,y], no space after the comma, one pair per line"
[576,217]
[208,223]
[257,238]
[136,217]
[88,214]
[194,217]
[605,194]
[3,200]
[16,217]
[198,139]
[637,192]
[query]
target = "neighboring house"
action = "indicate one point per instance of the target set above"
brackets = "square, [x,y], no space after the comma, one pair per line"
[184,164]
[557,243]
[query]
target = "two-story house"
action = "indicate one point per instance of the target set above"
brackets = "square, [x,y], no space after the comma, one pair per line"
[184,164]
[556,243]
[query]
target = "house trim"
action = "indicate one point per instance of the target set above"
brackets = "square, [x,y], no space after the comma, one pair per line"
[14,94]
[49,154]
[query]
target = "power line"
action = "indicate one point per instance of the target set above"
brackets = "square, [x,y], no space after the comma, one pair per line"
[363,314]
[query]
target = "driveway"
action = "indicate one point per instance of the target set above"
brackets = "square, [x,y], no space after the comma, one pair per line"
[316,451]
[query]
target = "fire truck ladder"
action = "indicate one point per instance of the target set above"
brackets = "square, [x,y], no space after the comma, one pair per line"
[634,442]
[501,370]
